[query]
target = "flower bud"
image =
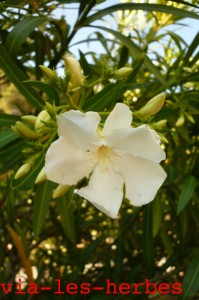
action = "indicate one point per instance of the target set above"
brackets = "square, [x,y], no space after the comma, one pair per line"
[160,124]
[189,85]
[60,191]
[50,74]
[51,110]
[29,119]
[190,118]
[41,176]
[152,107]
[23,170]
[164,139]
[15,130]
[75,70]
[122,73]
[188,70]
[39,126]
[180,121]
[24,131]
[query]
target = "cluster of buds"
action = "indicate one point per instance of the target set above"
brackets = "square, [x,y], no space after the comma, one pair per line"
[74,77]
[24,131]
[37,129]
[32,127]
[46,120]
[72,81]
[52,79]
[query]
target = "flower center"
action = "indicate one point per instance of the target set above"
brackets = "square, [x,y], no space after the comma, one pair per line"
[103,156]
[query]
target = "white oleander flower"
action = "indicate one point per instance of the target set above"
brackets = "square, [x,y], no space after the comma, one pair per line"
[114,156]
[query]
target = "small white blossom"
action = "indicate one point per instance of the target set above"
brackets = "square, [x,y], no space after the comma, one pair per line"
[114,156]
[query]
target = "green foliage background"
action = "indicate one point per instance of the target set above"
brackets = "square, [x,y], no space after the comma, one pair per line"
[67,237]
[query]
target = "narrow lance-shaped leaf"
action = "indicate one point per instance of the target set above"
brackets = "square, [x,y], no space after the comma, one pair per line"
[10,205]
[11,154]
[65,210]
[157,216]
[12,149]
[50,91]
[140,6]
[109,95]
[187,193]
[166,242]
[12,3]
[22,254]
[136,52]
[7,120]
[41,205]
[190,282]
[191,48]
[6,137]
[148,241]
[16,76]
[185,3]
[20,32]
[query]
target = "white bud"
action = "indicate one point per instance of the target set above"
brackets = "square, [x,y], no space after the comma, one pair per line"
[42,116]
[41,176]
[60,191]
[23,170]
[75,70]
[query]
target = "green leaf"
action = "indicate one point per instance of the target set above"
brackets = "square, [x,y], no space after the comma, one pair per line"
[140,6]
[27,182]
[11,155]
[136,52]
[157,216]
[41,205]
[185,3]
[190,282]
[15,75]
[10,163]
[148,240]
[124,56]
[84,64]
[65,210]
[12,3]
[50,91]
[166,242]
[6,137]
[8,120]
[186,193]
[20,32]
[191,49]
[10,204]
[11,150]
[40,51]
[177,39]
[109,95]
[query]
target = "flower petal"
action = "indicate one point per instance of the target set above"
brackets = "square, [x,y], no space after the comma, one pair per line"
[105,190]
[66,164]
[80,128]
[139,141]
[120,117]
[142,178]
